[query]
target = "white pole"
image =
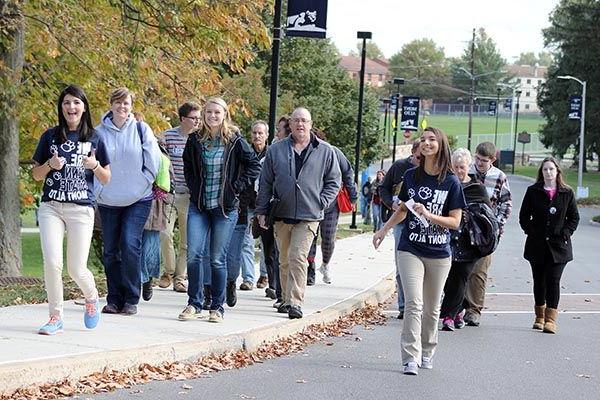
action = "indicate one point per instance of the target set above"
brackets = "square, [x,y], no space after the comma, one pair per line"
[512,117]
[581,134]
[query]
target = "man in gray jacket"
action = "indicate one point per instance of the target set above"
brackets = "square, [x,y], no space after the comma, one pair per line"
[302,172]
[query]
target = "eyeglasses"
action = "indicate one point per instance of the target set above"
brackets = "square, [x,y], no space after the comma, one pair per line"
[194,118]
[482,160]
[258,132]
[302,121]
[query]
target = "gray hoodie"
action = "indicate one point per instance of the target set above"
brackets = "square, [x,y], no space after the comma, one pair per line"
[315,189]
[133,164]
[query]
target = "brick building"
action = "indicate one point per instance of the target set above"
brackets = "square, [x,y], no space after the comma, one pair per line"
[376,71]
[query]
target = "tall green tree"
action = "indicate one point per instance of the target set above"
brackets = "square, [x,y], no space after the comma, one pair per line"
[11,63]
[488,65]
[424,67]
[543,58]
[573,34]
[372,50]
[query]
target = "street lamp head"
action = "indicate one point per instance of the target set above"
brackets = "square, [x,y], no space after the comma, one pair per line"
[363,35]
[564,77]
[518,92]
[398,81]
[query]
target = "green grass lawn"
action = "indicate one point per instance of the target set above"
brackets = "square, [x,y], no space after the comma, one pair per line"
[458,125]
[591,179]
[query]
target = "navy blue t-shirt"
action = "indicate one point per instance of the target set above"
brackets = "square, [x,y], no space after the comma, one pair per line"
[439,199]
[73,183]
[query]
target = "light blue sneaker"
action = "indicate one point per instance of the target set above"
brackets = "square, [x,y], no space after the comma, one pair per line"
[91,315]
[52,327]
[426,363]
[411,368]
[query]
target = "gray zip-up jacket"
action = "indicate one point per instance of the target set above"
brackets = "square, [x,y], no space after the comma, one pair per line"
[305,198]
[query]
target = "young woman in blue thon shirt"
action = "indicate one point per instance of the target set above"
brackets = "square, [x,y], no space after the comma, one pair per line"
[67,159]
[424,247]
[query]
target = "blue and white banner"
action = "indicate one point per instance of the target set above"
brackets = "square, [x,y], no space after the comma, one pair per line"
[575,107]
[307,18]
[508,104]
[410,113]
[492,107]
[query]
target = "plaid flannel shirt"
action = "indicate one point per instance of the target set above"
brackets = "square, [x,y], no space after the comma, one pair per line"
[496,183]
[212,161]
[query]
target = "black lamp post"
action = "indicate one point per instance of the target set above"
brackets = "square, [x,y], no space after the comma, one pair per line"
[518,94]
[397,82]
[361,93]
[497,112]
[386,105]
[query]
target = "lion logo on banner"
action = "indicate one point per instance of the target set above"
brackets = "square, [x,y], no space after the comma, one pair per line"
[302,19]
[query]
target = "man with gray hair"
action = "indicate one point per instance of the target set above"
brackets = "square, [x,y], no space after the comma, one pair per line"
[300,178]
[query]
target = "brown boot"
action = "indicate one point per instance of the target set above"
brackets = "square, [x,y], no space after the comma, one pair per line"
[550,316]
[539,317]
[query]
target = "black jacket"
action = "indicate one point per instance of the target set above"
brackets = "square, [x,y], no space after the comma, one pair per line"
[240,168]
[462,249]
[548,224]
[392,179]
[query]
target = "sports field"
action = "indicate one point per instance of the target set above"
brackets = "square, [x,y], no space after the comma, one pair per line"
[482,125]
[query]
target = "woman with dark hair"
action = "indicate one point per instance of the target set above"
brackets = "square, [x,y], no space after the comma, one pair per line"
[125,202]
[434,196]
[218,164]
[67,159]
[548,216]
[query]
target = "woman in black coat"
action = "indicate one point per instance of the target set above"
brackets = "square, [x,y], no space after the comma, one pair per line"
[548,217]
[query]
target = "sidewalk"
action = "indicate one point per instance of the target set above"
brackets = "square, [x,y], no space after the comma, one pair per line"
[154,335]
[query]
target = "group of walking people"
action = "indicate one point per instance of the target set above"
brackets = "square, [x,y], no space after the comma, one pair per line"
[449,214]
[213,192]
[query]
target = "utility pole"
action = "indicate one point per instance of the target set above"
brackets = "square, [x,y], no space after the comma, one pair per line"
[471,92]
[274,69]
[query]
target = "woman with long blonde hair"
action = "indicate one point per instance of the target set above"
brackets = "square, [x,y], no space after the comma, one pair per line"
[218,165]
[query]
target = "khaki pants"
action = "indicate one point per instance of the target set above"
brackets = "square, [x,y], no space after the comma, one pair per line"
[293,242]
[176,266]
[78,221]
[475,293]
[423,281]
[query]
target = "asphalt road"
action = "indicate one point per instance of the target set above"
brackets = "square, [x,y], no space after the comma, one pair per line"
[501,359]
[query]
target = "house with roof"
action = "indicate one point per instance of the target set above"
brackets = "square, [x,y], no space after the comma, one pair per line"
[528,78]
[376,71]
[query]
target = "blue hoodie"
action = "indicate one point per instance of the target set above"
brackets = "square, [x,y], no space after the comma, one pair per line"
[133,164]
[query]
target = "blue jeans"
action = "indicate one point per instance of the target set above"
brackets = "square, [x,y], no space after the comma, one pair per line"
[122,229]
[206,262]
[397,233]
[200,226]
[377,223]
[150,255]
[241,254]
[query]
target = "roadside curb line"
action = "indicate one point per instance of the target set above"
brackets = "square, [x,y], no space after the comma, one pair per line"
[594,223]
[37,372]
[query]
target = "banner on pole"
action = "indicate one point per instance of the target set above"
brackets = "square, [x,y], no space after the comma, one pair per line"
[508,104]
[492,107]
[575,108]
[307,18]
[410,113]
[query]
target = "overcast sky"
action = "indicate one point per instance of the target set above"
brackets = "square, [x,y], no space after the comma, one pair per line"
[515,25]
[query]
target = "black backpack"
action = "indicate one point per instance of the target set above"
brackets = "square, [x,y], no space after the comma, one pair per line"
[483,228]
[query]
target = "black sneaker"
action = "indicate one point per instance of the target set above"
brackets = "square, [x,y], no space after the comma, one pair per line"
[270,293]
[147,290]
[110,309]
[295,312]
[230,295]
[401,314]
[129,309]
[207,298]
[310,274]
[283,308]
[471,319]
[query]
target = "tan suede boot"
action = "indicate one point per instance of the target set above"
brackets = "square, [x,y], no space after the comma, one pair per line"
[550,316]
[539,318]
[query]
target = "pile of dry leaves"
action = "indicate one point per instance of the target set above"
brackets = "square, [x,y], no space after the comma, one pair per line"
[109,380]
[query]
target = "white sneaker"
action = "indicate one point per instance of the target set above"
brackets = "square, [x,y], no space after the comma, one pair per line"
[411,368]
[426,363]
[324,269]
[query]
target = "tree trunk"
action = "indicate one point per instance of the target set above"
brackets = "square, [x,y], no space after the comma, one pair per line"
[11,64]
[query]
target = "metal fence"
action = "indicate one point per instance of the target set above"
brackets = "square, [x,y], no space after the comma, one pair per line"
[479,110]
[505,142]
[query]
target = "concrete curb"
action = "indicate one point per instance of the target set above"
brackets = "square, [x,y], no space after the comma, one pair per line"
[38,372]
